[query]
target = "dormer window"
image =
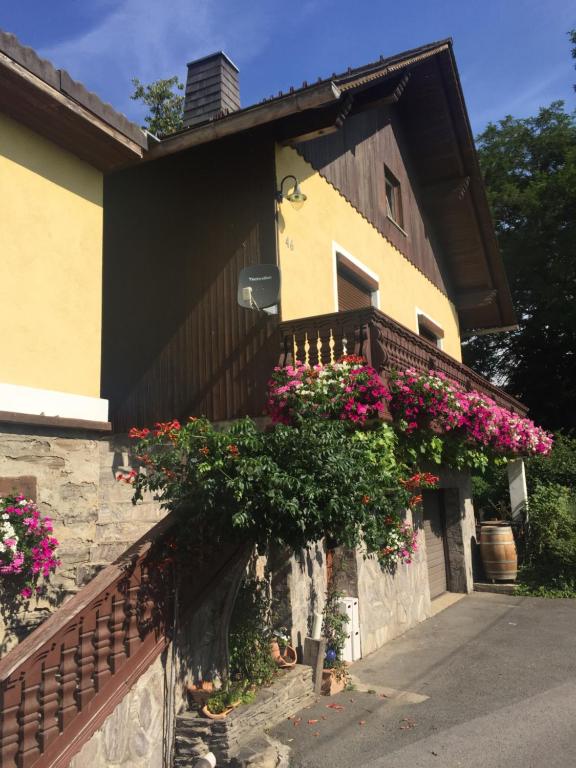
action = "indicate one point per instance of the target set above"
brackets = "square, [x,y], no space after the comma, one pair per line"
[393,198]
[429,330]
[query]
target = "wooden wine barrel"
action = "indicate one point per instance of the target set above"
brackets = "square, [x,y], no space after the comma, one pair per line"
[498,552]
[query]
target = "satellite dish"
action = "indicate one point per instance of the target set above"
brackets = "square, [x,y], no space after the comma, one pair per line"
[259,286]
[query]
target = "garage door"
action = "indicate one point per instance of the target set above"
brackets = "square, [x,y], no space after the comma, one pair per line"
[435,535]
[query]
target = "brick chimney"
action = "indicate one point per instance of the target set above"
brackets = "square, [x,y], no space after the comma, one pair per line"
[211,89]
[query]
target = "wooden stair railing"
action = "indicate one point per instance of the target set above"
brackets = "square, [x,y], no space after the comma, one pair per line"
[58,686]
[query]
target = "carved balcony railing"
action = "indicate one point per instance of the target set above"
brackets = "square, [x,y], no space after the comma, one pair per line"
[384,343]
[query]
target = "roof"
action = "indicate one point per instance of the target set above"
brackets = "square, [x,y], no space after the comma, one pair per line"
[323,92]
[54,105]
[442,148]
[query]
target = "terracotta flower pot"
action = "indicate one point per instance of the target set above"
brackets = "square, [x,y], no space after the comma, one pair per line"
[332,684]
[275,650]
[200,693]
[213,716]
[288,659]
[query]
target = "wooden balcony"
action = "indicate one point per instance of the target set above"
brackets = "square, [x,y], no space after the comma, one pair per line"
[384,343]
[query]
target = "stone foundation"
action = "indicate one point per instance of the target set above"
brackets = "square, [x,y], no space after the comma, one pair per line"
[390,602]
[196,735]
[137,734]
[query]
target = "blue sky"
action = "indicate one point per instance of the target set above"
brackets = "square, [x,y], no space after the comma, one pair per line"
[513,55]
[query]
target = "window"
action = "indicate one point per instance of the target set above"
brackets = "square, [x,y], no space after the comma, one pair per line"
[353,292]
[393,197]
[429,330]
[355,285]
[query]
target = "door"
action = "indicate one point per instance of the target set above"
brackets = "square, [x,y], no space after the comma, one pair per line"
[353,293]
[435,535]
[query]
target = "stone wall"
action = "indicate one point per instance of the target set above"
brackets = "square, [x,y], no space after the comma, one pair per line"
[196,735]
[460,528]
[390,603]
[94,518]
[299,590]
[137,734]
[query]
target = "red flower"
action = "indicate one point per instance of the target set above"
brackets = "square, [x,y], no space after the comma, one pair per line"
[205,450]
[138,434]
[233,450]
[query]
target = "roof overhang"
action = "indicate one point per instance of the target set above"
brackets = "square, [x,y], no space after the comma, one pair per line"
[51,103]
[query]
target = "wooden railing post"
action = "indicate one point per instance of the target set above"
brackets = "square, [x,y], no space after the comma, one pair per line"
[118,628]
[68,677]
[29,749]
[10,721]
[50,697]
[102,670]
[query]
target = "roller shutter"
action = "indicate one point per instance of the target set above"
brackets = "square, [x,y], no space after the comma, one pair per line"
[352,292]
[435,535]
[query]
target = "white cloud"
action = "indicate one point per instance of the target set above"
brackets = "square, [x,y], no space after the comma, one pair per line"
[150,39]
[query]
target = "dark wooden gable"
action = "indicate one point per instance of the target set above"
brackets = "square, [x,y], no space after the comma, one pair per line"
[353,160]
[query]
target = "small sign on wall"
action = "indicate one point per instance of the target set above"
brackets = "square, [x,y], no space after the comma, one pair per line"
[26,485]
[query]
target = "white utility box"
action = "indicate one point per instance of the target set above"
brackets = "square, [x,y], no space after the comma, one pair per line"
[352,650]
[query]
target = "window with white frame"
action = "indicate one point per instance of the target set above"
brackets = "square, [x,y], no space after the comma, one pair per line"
[429,330]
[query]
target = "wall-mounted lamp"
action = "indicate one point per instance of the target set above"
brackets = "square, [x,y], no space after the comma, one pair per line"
[296,196]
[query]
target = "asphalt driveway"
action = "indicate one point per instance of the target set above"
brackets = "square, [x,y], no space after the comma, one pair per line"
[490,681]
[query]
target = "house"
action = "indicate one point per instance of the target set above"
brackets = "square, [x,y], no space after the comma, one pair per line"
[364,190]
[389,247]
[57,142]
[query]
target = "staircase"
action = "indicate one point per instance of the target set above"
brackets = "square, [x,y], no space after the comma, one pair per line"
[59,685]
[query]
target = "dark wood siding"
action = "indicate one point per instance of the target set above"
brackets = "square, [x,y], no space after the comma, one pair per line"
[177,232]
[352,293]
[435,535]
[353,160]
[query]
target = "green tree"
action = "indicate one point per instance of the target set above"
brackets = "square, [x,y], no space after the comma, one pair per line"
[529,167]
[165,105]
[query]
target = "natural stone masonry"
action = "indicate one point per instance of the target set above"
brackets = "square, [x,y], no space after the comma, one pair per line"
[230,739]
[133,735]
[94,518]
[460,528]
[390,603]
[298,589]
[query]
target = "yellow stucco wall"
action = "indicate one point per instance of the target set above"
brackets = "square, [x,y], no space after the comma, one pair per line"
[306,233]
[50,265]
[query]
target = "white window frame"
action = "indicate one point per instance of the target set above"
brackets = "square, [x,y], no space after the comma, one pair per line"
[342,256]
[421,313]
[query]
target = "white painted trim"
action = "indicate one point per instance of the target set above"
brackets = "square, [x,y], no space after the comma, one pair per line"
[345,256]
[15,398]
[421,312]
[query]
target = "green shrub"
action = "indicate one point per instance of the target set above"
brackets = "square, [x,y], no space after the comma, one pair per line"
[551,544]
[251,661]
[559,467]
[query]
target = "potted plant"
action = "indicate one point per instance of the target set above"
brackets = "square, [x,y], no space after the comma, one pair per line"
[222,702]
[282,652]
[335,675]
[200,692]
